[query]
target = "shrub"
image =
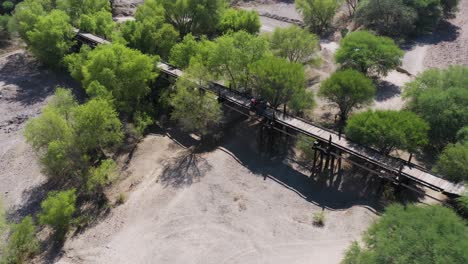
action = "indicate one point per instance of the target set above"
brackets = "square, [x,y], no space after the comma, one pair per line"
[319,218]
[22,243]
[368,53]
[413,234]
[348,89]
[51,37]
[439,96]
[387,130]
[294,43]
[236,20]
[318,14]
[305,145]
[57,211]
[453,162]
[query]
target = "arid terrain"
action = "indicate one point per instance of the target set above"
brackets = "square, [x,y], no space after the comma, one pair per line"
[225,205]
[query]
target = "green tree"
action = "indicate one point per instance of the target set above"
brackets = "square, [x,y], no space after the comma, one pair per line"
[453,162]
[49,126]
[387,17]
[294,44]
[22,243]
[195,110]
[57,211]
[149,33]
[7,6]
[440,97]
[277,80]
[102,175]
[68,136]
[318,14]
[232,54]
[96,126]
[183,52]
[239,19]
[462,135]
[26,15]
[99,23]
[413,234]
[124,72]
[369,54]
[76,8]
[4,30]
[199,17]
[462,205]
[51,37]
[348,89]
[387,130]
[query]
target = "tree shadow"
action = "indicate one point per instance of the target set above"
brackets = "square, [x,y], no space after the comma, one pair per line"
[185,170]
[35,82]
[444,32]
[386,90]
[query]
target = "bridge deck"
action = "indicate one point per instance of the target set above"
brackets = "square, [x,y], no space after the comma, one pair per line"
[395,165]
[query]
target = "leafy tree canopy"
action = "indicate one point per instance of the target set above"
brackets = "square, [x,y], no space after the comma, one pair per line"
[115,70]
[348,89]
[277,80]
[149,33]
[57,211]
[318,14]
[183,52]
[294,43]
[51,37]
[387,130]
[67,135]
[413,234]
[102,175]
[453,162]
[199,17]
[369,54]
[441,98]
[232,54]
[237,19]
[196,110]
[22,243]
[27,14]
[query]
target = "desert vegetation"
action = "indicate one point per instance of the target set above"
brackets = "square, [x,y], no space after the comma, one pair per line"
[77,140]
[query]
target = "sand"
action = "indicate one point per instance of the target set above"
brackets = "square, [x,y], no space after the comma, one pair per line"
[223,206]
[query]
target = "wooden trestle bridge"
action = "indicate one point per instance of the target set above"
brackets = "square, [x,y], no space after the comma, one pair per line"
[330,146]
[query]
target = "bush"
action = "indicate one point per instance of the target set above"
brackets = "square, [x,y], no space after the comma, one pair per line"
[51,37]
[369,54]
[318,14]
[413,234]
[22,243]
[462,205]
[277,80]
[68,136]
[348,89]
[8,6]
[195,110]
[236,20]
[387,130]
[294,43]
[319,218]
[387,17]
[440,97]
[57,211]
[102,175]
[117,70]
[149,33]
[453,162]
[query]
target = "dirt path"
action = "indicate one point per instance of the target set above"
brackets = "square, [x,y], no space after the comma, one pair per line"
[217,207]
